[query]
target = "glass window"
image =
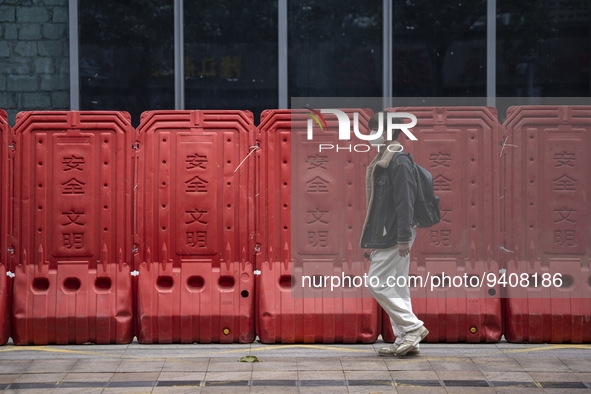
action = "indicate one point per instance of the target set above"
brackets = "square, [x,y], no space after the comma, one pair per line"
[439,48]
[126,51]
[543,48]
[335,48]
[231,54]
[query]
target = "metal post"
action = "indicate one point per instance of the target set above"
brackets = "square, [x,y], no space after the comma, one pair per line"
[74,57]
[282,54]
[491,53]
[387,90]
[179,56]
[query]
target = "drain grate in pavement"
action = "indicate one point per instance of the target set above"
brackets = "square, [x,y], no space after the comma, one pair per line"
[513,384]
[285,383]
[563,385]
[296,383]
[418,383]
[178,383]
[466,383]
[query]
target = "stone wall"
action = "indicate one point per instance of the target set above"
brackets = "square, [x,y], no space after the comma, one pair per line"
[34,58]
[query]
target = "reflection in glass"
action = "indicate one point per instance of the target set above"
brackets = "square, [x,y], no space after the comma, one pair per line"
[439,48]
[335,48]
[231,54]
[543,48]
[126,55]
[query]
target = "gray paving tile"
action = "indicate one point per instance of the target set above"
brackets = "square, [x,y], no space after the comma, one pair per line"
[185,365]
[223,389]
[88,377]
[321,375]
[414,364]
[140,366]
[364,365]
[185,376]
[507,376]
[40,377]
[560,377]
[371,389]
[235,365]
[272,365]
[275,375]
[32,390]
[134,376]
[94,365]
[227,376]
[452,364]
[125,390]
[45,366]
[508,365]
[176,390]
[368,375]
[8,378]
[14,366]
[274,389]
[577,364]
[461,375]
[497,364]
[542,364]
[414,375]
[76,390]
[313,364]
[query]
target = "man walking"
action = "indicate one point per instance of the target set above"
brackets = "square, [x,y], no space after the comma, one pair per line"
[390,230]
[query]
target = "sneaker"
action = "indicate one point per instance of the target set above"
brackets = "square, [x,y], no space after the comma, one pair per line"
[390,351]
[411,340]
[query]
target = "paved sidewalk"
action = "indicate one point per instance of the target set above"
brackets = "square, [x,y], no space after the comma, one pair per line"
[440,368]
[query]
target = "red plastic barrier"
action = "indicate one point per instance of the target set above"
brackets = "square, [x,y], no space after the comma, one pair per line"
[72,228]
[310,210]
[195,224]
[5,282]
[547,223]
[460,147]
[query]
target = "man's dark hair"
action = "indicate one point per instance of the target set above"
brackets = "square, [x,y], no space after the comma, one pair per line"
[374,124]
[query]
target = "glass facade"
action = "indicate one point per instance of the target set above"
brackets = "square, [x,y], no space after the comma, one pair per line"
[334,49]
[126,55]
[230,54]
[544,48]
[439,48]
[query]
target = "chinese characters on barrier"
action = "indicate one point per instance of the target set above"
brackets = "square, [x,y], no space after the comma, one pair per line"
[440,164]
[196,219]
[72,224]
[317,220]
[564,216]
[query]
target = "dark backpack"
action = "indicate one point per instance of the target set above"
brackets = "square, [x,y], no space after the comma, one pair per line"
[426,204]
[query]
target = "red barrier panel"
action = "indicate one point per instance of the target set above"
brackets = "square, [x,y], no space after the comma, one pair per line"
[195,223]
[310,210]
[5,282]
[460,147]
[72,228]
[546,222]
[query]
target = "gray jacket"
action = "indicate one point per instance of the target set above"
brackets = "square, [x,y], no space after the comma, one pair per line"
[390,189]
